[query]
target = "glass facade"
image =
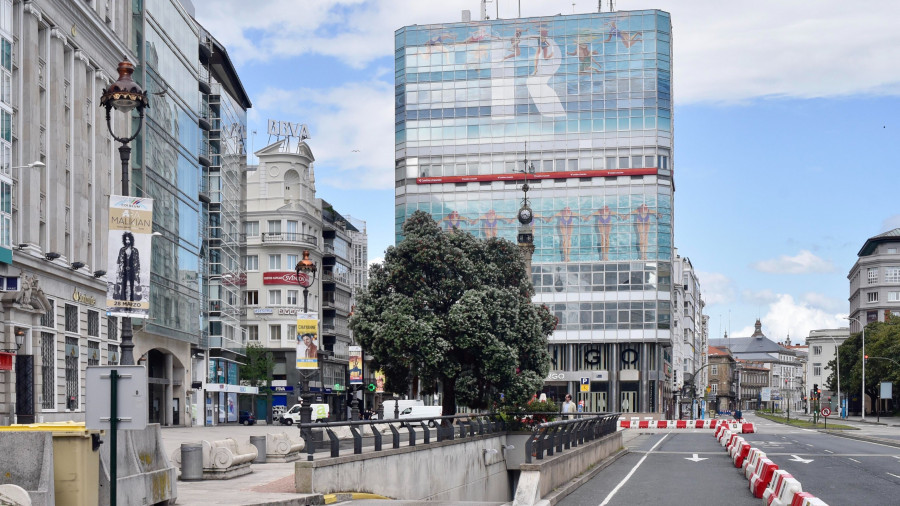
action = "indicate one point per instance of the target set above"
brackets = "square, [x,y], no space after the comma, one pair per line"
[165,163]
[586,100]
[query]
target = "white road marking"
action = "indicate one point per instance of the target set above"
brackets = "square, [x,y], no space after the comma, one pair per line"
[894,475]
[695,458]
[854,460]
[630,473]
[829,451]
[797,458]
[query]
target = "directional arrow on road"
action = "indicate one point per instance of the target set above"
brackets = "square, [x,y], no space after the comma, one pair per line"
[695,458]
[797,458]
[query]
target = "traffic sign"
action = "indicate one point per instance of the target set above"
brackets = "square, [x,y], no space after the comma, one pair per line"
[585,384]
[826,412]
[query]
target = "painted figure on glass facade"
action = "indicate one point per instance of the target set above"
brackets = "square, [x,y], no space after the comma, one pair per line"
[453,220]
[489,223]
[564,225]
[642,215]
[604,228]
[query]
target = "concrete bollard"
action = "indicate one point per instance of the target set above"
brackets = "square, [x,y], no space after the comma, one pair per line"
[192,461]
[260,443]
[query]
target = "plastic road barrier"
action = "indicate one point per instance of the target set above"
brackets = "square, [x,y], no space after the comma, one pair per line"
[741,455]
[783,491]
[759,482]
[748,428]
[749,464]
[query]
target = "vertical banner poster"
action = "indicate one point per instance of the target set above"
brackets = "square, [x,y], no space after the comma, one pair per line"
[128,255]
[379,382]
[356,361]
[307,340]
[232,407]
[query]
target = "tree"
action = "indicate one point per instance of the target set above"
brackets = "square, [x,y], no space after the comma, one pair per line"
[448,308]
[258,372]
[882,340]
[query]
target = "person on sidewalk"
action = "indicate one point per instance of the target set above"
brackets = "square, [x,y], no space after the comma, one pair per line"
[568,407]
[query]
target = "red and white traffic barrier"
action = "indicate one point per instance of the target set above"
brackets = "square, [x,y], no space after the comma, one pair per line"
[781,489]
[749,463]
[739,456]
[760,480]
[748,428]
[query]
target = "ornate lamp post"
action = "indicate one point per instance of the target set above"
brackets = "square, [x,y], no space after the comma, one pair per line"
[125,95]
[306,276]
[526,218]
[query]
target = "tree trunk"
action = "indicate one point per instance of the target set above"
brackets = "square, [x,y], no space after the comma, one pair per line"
[449,404]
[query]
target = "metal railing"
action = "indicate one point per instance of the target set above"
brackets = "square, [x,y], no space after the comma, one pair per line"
[291,237]
[444,428]
[553,437]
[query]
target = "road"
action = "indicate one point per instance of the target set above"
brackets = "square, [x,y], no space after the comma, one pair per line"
[690,467]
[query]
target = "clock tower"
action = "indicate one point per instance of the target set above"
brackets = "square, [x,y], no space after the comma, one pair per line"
[526,219]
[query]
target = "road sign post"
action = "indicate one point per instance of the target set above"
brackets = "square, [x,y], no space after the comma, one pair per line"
[826,412]
[132,380]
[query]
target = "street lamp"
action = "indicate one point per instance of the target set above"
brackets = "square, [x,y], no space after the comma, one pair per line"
[125,95]
[306,275]
[862,399]
[837,358]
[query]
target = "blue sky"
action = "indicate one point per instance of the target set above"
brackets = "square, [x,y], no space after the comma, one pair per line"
[785,120]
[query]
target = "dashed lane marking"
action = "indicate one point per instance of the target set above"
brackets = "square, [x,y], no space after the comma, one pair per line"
[894,475]
[854,460]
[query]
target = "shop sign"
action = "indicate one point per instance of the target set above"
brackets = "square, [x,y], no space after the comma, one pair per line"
[280,278]
[83,298]
[283,389]
[265,310]
[577,375]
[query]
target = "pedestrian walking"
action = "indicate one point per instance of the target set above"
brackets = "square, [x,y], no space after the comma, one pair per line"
[568,407]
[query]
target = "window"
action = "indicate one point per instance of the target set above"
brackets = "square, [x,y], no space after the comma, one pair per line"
[251,262]
[892,251]
[817,369]
[253,333]
[292,261]
[292,229]
[112,354]
[274,297]
[251,229]
[112,328]
[93,324]
[274,262]
[5,211]
[893,296]
[714,370]
[71,318]
[48,370]
[251,298]
[274,332]
[292,297]
[274,226]
[714,388]
[892,274]
[93,353]
[817,350]
[71,371]
[872,274]
[872,296]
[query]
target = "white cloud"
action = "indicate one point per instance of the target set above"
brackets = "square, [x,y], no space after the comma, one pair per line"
[716,288]
[376,261]
[787,316]
[351,126]
[804,262]
[724,51]
[760,297]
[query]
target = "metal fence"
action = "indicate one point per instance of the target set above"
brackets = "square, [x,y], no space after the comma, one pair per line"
[546,438]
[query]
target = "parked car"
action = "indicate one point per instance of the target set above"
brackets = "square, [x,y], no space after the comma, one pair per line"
[247,418]
[292,416]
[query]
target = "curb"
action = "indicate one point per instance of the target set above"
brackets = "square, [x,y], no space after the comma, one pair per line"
[350,496]
[869,439]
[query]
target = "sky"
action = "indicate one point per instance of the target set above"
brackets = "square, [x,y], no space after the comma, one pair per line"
[785,122]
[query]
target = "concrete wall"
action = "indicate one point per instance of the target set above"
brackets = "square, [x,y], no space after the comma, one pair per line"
[449,471]
[145,474]
[28,463]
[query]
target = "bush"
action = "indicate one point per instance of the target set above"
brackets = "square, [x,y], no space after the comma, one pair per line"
[528,416]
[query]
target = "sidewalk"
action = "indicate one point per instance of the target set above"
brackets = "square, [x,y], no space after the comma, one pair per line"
[268,484]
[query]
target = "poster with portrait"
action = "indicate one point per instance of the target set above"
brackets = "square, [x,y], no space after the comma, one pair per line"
[128,256]
[379,382]
[307,340]
[232,406]
[355,366]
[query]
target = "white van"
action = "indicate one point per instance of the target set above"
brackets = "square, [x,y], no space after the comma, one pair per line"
[422,412]
[401,404]
[292,416]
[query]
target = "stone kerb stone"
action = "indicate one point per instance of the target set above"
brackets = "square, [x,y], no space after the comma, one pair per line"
[28,463]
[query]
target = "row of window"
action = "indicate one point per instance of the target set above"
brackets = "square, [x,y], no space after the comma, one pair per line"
[251,228]
[251,297]
[891,296]
[49,386]
[891,273]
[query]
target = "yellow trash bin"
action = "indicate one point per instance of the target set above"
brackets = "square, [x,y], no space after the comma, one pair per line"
[76,465]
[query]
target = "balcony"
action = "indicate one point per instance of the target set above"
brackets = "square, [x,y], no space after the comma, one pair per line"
[289,238]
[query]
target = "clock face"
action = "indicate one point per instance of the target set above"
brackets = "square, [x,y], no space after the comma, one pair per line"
[525,215]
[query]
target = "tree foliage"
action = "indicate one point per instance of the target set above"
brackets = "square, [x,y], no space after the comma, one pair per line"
[882,340]
[450,308]
[258,372]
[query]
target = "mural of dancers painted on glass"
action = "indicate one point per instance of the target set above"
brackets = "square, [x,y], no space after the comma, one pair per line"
[569,229]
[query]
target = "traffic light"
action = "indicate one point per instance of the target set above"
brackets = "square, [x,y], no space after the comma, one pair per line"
[371,387]
[815,392]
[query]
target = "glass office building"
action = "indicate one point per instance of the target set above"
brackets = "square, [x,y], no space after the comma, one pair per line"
[586,99]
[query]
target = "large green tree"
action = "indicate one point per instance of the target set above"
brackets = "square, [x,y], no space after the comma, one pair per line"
[882,340]
[448,308]
[258,372]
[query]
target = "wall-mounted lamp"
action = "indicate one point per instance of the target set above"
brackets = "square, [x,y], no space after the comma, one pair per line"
[52,256]
[97,274]
[77,265]
[20,338]
[37,164]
